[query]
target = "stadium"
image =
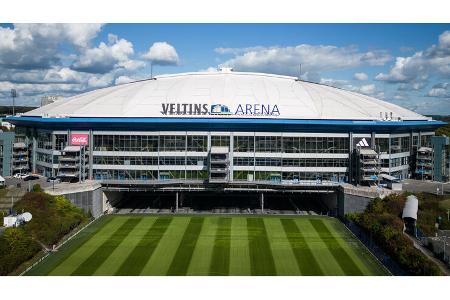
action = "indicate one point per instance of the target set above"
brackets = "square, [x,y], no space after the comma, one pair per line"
[223,128]
[224,142]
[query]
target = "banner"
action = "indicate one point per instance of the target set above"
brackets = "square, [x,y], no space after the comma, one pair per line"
[79,139]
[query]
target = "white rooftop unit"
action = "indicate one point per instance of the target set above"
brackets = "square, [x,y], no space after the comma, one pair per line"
[411,207]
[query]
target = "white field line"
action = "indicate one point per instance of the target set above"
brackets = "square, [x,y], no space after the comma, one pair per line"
[57,247]
[376,258]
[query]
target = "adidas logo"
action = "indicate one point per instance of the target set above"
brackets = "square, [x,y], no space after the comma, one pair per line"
[363,143]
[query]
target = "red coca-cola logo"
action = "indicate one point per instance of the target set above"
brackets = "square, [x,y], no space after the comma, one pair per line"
[79,139]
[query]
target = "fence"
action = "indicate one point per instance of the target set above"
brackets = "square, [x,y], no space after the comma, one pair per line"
[367,240]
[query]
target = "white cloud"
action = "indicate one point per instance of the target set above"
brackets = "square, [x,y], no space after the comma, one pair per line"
[100,81]
[417,68]
[360,76]
[368,89]
[127,79]
[105,57]
[440,90]
[376,58]
[65,75]
[444,39]
[162,53]
[33,46]
[313,59]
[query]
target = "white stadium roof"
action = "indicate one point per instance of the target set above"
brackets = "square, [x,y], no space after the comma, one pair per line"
[234,90]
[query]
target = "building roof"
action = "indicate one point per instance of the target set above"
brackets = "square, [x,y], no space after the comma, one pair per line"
[226,94]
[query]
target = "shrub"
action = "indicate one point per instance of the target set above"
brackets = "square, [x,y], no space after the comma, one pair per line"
[37,188]
[16,246]
[53,217]
[382,221]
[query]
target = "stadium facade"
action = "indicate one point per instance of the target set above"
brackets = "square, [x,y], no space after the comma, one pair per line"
[224,128]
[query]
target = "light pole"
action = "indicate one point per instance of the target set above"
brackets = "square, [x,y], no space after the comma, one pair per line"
[13,95]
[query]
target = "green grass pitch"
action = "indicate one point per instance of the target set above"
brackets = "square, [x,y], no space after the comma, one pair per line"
[212,245]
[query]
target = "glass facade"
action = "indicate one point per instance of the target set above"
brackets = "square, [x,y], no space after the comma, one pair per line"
[185,156]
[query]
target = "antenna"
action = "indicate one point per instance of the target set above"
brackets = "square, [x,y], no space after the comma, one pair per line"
[151,70]
[299,72]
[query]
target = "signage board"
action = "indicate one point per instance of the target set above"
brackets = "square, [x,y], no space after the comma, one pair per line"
[79,139]
[196,109]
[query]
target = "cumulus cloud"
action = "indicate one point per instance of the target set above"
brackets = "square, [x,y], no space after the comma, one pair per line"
[440,90]
[105,57]
[360,76]
[417,68]
[162,53]
[34,46]
[127,79]
[368,89]
[313,59]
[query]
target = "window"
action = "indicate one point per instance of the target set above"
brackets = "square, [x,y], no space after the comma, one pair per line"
[172,143]
[244,143]
[60,141]
[220,141]
[268,144]
[243,161]
[197,143]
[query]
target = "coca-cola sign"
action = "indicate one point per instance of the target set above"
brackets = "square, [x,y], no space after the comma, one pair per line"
[79,139]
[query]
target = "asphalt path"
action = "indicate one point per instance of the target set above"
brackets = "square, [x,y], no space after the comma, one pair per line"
[432,187]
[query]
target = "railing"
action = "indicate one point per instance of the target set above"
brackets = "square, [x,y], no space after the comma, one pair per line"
[387,261]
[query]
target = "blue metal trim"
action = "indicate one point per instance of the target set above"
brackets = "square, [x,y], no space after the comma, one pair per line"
[224,124]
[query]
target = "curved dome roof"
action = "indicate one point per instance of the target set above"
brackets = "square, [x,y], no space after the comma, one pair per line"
[225,94]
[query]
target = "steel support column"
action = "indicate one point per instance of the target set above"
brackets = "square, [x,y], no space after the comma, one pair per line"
[261,199]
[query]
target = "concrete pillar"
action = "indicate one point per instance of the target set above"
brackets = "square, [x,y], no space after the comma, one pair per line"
[33,156]
[372,142]
[230,157]
[261,199]
[176,202]
[91,154]
[350,158]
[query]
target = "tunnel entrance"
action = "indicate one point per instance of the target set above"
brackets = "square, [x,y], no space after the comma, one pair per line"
[226,202]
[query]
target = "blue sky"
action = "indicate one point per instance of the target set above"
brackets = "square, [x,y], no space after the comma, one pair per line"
[406,64]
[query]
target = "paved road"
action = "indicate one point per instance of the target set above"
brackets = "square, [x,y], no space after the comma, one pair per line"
[412,185]
[25,185]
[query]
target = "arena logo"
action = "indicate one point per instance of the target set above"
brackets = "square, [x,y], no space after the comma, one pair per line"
[257,110]
[184,109]
[219,109]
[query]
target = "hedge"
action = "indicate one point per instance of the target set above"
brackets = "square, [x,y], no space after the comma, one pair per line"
[53,217]
[382,220]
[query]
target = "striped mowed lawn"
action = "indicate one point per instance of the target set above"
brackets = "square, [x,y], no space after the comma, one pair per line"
[212,245]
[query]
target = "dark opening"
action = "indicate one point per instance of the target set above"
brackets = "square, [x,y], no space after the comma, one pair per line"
[223,202]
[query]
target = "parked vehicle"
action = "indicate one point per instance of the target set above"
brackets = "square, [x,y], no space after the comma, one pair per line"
[30,177]
[53,179]
[20,175]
